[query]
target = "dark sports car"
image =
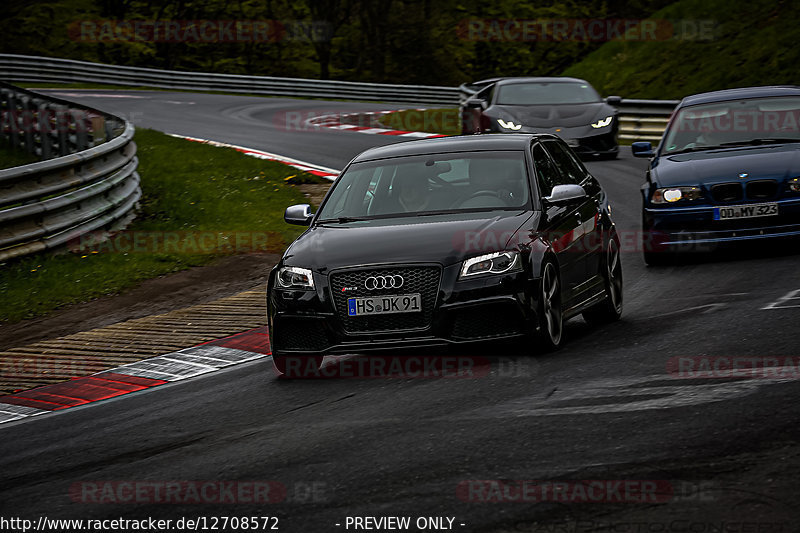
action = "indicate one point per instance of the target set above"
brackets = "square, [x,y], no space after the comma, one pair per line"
[727,170]
[567,107]
[446,241]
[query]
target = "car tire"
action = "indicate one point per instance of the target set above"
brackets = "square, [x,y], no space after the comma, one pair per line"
[550,317]
[290,367]
[610,309]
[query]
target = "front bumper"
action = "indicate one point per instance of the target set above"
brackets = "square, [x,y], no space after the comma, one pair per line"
[603,145]
[583,140]
[694,228]
[465,312]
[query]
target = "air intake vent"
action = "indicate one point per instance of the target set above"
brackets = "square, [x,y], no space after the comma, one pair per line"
[727,192]
[762,189]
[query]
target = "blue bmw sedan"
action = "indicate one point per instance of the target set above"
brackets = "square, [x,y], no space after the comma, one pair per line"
[727,170]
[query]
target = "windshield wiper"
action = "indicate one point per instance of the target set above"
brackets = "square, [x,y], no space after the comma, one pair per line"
[343,220]
[695,149]
[756,142]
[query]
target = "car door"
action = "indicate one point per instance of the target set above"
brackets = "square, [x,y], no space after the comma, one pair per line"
[587,237]
[561,223]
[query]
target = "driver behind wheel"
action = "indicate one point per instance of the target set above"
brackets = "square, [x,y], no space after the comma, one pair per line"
[487,178]
[413,186]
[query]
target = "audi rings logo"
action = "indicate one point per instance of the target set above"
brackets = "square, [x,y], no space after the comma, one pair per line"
[383,282]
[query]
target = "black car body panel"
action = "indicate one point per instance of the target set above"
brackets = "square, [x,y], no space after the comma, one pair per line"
[570,121]
[428,252]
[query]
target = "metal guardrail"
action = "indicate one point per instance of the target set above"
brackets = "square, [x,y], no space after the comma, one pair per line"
[639,120]
[33,69]
[87,181]
[644,120]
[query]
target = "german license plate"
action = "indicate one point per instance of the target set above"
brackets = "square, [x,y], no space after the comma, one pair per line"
[745,211]
[384,305]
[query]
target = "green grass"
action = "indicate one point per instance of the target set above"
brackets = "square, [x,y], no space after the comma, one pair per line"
[440,120]
[12,157]
[753,43]
[192,194]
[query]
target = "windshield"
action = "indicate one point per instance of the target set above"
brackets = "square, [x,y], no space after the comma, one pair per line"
[737,122]
[429,184]
[543,93]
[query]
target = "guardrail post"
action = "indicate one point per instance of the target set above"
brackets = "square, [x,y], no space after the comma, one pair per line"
[62,129]
[43,127]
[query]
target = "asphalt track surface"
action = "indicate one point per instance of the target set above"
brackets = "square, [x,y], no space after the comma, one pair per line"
[605,407]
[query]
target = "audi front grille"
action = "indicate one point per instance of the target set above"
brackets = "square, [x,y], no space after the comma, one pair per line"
[416,279]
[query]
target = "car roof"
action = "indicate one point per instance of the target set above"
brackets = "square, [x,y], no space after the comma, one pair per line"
[743,92]
[558,79]
[459,143]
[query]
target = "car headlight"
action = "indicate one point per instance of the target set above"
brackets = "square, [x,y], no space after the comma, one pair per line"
[508,125]
[671,195]
[494,263]
[602,123]
[295,278]
[794,185]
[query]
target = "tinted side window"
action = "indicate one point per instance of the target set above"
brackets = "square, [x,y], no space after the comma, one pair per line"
[546,172]
[572,170]
[486,93]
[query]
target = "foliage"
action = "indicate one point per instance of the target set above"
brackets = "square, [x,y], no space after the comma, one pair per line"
[402,41]
[753,43]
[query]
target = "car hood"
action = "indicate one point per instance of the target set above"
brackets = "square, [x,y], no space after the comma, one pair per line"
[548,117]
[445,239]
[719,166]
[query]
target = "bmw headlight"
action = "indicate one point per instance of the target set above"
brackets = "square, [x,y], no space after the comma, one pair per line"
[295,278]
[494,263]
[602,123]
[671,195]
[508,125]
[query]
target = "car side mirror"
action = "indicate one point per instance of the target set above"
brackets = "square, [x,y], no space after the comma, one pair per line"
[614,100]
[565,194]
[299,215]
[642,149]
[474,103]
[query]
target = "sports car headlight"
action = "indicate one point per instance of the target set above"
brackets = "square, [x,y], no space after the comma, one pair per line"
[676,194]
[295,278]
[494,263]
[508,125]
[602,123]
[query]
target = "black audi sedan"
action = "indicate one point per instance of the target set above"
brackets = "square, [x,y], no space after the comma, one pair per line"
[568,107]
[447,241]
[727,171]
